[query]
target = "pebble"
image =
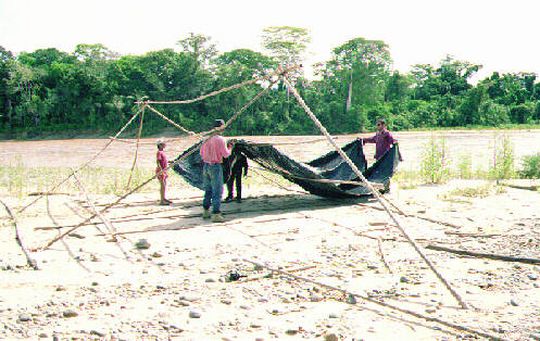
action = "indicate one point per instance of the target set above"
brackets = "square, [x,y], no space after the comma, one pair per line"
[404,279]
[194,314]
[190,298]
[291,332]
[351,299]
[97,333]
[69,313]
[24,318]
[142,244]
[43,335]
[532,277]
[210,280]
[227,302]
[514,303]
[331,337]
[333,316]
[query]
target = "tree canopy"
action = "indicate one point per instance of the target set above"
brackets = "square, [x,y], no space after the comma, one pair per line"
[93,89]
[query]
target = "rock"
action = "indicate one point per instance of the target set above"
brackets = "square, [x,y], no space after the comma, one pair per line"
[404,279]
[95,284]
[532,277]
[60,288]
[351,299]
[291,332]
[194,314]
[69,313]
[210,280]
[190,298]
[333,316]
[315,298]
[156,255]
[227,302]
[43,335]
[535,336]
[142,244]
[331,337]
[24,318]
[97,333]
[514,303]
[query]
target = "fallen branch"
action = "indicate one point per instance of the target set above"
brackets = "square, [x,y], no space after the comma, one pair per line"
[379,243]
[485,255]
[29,260]
[471,234]
[383,304]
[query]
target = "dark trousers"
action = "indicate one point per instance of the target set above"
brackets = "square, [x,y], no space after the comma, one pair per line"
[230,183]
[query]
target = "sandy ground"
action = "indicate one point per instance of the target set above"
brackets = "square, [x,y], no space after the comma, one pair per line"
[90,287]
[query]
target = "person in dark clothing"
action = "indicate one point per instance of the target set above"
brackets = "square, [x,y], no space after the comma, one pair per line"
[237,166]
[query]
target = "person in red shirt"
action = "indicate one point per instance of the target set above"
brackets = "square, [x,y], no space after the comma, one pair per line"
[383,139]
[212,152]
[161,172]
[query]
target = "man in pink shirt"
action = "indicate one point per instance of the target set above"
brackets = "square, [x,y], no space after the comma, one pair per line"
[212,153]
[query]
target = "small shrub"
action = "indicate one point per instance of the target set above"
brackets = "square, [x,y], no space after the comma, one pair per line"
[465,167]
[531,167]
[503,163]
[434,166]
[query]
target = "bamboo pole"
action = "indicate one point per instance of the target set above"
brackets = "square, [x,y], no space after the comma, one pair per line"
[139,132]
[373,190]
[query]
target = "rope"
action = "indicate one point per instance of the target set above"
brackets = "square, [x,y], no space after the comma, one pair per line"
[372,190]
[83,165]
[203,139]
[276,72]
[171,121]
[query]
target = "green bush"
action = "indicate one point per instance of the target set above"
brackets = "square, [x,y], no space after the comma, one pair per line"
[531,167]
[503,163]
[435,166]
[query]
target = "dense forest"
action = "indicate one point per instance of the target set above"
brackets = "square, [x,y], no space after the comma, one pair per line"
[93,89]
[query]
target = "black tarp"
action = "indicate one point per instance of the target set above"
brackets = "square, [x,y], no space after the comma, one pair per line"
[330,166]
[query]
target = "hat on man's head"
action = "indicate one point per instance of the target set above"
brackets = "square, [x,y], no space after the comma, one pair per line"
[218,123]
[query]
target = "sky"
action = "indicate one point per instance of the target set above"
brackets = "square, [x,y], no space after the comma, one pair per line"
[500,35]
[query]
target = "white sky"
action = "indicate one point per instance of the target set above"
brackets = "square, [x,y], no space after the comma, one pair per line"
[501,35]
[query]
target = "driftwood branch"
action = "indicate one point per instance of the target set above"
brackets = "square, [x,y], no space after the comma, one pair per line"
[29,260]
[485,255]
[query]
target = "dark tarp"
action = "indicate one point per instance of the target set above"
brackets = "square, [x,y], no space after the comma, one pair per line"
[330,166]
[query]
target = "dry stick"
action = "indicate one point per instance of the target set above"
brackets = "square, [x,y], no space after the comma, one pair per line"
[105,221]
[83,165]
[106,208]
[373,191]
[29,260]
[139,132]
[379,243]
[383,304]
[68,249]
[415,216]
[485,255]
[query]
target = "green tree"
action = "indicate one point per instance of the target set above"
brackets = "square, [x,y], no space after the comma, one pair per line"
[286,44]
